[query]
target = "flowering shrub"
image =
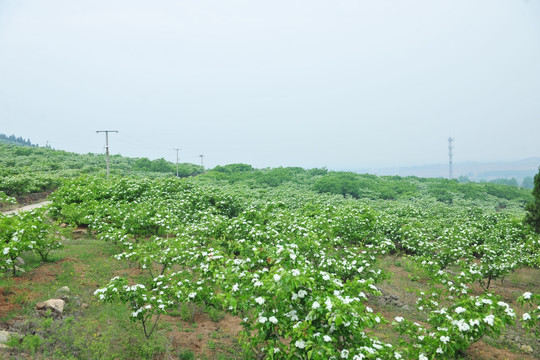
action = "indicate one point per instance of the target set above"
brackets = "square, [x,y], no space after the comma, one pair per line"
[144,302]
[451,330]
[297,267]
[13,241]
[41,232]
[531,319]
[6,200]
[28,231]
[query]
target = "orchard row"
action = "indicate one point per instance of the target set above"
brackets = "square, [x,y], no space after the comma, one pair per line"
[299,268]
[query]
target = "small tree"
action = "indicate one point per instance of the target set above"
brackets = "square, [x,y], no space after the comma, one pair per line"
[533,208]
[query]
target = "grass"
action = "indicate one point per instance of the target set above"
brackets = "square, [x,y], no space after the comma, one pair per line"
[97,331]
[94,330]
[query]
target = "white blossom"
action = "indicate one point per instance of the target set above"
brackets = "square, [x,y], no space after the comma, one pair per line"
[489,319]
[445,339]
[327,338]
[260,300]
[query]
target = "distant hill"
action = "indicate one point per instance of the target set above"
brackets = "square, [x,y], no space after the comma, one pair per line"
[12,139]
[475,171]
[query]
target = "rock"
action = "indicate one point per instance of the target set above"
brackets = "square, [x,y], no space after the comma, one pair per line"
[56,307]
[5,336]
[80,231]
[63,293]
[19,261]
[84,305]
[526,349]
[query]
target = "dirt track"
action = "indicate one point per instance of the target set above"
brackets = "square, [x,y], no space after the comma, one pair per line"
[27,207]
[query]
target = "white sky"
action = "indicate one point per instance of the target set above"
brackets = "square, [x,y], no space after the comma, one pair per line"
[343,84]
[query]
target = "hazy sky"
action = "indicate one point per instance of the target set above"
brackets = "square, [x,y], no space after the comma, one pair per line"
[343,84]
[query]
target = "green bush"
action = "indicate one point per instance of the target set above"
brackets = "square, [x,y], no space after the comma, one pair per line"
[533,208]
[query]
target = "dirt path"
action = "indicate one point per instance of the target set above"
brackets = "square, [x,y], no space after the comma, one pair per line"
[26,207]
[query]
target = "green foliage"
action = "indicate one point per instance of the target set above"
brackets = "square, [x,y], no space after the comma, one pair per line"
[530,320]
[6,200]
[234,168]
[13,241]
[24,232]
[339,183]
[533,208]
[186,355]
[25,170]
[505,181]
[451,330]
[262,178]
[365,185]
[298,265]
[291,262]
[142,301]
[163,166]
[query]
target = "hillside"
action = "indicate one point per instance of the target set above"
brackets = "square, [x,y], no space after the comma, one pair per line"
[30,169]
[370,187]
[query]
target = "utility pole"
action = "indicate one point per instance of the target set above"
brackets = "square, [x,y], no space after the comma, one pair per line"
[107,145]
[177,150]
[450,175]
[201,156]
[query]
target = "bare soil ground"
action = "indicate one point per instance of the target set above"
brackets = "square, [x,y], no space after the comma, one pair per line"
[205,337]
[26,207]
[25,200]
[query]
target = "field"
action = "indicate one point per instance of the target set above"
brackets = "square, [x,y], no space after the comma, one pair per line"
[213,268]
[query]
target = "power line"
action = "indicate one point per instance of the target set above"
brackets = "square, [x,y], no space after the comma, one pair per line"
[107,145]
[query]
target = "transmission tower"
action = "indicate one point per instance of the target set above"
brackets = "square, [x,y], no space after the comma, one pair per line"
[450,153]
[107,145]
